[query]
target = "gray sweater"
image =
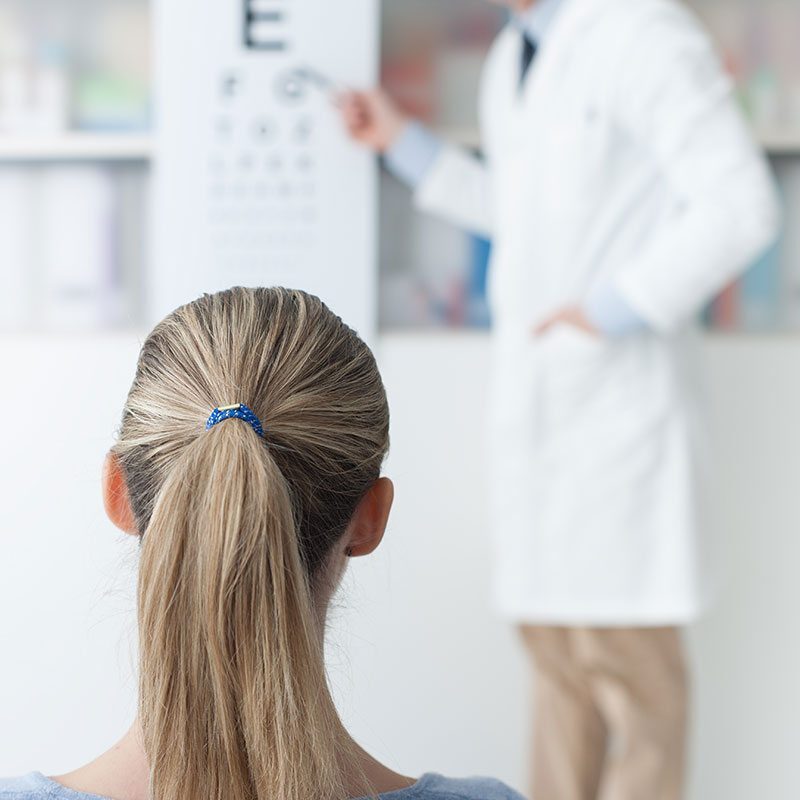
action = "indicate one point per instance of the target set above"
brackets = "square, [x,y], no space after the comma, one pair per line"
[430,786]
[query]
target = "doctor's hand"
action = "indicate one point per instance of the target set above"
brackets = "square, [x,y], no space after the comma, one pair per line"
[574,316]
[371,118]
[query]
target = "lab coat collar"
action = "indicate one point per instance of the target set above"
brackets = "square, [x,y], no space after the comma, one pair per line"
[537,20]
[567,19]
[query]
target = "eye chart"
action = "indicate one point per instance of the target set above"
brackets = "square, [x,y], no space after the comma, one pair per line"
[255,182]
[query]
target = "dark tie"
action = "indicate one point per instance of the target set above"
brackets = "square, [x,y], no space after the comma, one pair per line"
[528,54]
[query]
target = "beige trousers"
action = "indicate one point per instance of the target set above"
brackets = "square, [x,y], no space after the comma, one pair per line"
[610,713]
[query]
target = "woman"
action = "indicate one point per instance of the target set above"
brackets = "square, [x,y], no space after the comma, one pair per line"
[247,518]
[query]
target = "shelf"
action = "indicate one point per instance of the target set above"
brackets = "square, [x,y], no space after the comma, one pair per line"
[780,142]
[31,336]
[139,147]
[787,335]
[775,141]
[465,135]
[77,147]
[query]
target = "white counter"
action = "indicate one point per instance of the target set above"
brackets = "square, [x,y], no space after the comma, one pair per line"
[426,676]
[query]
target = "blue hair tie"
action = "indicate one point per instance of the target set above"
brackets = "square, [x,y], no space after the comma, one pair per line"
[236,411]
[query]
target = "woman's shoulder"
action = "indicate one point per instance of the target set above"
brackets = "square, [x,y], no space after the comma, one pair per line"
[431,786]
[438,787]
[35,786]
[28,787]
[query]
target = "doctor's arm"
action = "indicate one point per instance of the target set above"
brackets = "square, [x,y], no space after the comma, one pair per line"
[454,184]
[675,101]
[447,181]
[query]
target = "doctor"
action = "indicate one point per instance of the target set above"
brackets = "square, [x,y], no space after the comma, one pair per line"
[621,190]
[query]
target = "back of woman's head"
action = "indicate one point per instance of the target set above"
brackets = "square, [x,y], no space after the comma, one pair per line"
[237,532]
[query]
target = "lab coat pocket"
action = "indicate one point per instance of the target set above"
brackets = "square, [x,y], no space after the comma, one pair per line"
[577,369]
[567,342]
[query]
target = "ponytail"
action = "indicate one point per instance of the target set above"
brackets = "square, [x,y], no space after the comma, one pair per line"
[237,530]
[220,567]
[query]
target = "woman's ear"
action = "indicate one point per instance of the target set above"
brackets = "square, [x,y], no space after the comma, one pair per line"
[366,528]
[115,496]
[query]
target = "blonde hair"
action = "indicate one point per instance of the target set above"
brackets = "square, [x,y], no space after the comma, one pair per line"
[236,532]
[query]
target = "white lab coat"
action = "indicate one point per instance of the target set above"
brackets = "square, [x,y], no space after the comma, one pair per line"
[624,157]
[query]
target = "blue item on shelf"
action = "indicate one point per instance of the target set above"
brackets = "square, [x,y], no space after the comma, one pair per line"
[477,307]
[760,292]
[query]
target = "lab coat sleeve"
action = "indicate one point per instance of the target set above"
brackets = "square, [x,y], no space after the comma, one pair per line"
[611,313]
[413,154]
[675,102]
[457,188]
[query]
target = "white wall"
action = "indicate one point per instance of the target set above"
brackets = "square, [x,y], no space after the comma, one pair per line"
[442,683]
[747,653]
[426,675]
[66,685]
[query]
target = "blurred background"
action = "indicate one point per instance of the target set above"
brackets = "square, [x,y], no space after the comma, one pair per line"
[79,156]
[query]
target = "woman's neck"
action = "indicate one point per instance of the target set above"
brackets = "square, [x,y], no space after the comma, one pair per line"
[122,773]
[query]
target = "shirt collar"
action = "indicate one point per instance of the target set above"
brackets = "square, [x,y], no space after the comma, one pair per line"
[537,20]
